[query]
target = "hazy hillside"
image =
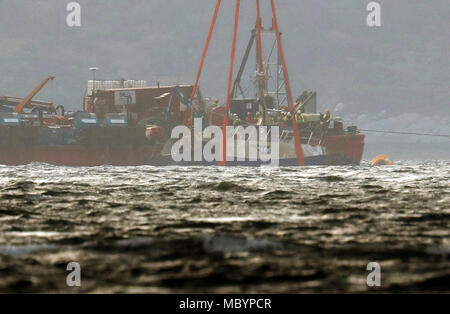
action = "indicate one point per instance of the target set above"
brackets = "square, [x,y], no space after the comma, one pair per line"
[402,67]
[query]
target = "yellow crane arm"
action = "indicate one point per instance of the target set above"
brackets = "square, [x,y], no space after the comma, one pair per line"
[27,99]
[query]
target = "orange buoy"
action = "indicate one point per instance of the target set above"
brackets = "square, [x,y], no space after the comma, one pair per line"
[382,160]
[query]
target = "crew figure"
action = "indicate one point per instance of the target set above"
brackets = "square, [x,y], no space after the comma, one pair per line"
[236,120]
[249,119]
[277,118]
[326,118]
[199,113]
[258,116]
[288,116]
[299,117]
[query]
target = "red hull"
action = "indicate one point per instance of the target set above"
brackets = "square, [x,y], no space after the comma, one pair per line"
[339,149]
[350,147]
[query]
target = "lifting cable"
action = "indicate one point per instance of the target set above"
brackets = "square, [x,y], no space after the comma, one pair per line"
[298,145]
[407,133]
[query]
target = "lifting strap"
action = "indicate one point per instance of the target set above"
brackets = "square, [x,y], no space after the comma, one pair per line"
[298,144]
[202,61]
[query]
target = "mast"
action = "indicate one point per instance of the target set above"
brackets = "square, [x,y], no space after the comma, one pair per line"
[261,75]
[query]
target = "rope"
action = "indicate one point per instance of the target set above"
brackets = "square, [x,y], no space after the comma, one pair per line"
[258,29]
[408,133]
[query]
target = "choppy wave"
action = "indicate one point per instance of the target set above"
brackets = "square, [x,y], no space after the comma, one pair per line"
[193,229]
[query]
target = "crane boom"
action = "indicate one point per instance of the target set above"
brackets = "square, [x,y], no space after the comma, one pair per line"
[30,96]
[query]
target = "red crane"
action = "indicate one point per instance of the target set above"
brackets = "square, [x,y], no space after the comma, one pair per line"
[26,100]
[298,147]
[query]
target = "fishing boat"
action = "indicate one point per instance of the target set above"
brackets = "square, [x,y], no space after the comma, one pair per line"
[303,135]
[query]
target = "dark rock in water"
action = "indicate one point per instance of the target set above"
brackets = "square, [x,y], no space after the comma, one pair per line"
[332,179]
[226,186]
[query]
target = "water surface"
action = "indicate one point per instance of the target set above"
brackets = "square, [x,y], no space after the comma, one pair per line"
[231,230]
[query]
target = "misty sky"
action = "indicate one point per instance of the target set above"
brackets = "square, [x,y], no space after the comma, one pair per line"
[403,67]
